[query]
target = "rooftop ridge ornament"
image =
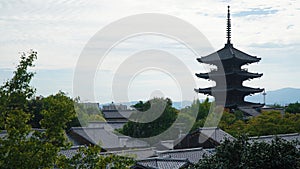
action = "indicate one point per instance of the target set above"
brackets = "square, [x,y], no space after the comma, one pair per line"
[228,27]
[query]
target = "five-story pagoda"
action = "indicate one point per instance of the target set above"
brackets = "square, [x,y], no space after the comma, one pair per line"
[229,61]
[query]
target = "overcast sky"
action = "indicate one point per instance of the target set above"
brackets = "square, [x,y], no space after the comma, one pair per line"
[59,29]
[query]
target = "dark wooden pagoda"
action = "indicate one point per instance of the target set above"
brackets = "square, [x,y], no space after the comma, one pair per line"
[229,76]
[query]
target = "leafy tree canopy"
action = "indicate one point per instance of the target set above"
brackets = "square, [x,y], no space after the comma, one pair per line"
[155,127]
[25,147]
[241,154]
[293,108]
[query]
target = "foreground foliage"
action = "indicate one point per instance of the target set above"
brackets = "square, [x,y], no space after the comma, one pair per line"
[25,147]
[241,154]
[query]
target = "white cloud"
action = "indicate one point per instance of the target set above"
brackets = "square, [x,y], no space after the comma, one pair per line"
[58,30]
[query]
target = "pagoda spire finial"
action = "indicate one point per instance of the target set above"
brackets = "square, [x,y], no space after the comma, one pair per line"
[228,26]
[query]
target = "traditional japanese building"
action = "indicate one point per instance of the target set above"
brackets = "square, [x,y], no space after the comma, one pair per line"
[229,75]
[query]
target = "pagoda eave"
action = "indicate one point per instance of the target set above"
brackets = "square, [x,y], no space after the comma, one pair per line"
[242,74]
[223,61]
[242,90]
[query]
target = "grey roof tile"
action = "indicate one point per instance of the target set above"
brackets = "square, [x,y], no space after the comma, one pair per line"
[215,133]
[117,114]
[107,139]
[164,163]
[193,154]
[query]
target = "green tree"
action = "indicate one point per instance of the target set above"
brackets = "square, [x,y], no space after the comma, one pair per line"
[293,108]
[155,127]
[202,108]
[241,154]
[60,101]
[23,147]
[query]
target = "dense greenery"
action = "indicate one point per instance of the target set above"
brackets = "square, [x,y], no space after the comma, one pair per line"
[293,108]
[155,127]
[267,123]
[23,147]
[241,154]
[83,112]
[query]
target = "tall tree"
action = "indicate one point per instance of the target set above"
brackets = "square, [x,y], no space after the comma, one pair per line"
[155,127]
[23,147]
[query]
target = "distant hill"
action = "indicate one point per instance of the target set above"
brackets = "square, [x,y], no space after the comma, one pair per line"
[281,96]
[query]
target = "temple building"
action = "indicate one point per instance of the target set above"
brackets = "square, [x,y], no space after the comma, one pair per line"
[229,76]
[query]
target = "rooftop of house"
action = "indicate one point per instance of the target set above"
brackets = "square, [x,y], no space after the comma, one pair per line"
[269,138]
[214,133]
[69,153]
[193,155]
[107,139]
[137,153]
[117,114]
[108,124]
[159,162]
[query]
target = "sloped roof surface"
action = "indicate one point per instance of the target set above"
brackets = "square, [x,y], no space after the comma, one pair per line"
[116,114]
[70,152]
[164,163]
[107,139]
[269,138]
[215,133]
[193,154]
[228,52]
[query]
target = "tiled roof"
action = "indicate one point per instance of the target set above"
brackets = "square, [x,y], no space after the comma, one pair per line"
[69,153]
[269,138]
[228,53]
[193,154]
[164,145]
[249,110]
[163,163]
[108,124]
[107,139]
[116,114]
[137,153]
[215,133]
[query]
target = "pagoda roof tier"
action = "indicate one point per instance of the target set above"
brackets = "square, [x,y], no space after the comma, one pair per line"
[243,74]
[242,90]
[244,105]
[228,53]
[251,104]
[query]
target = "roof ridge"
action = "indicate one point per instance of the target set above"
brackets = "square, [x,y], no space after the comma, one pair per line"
[180,150]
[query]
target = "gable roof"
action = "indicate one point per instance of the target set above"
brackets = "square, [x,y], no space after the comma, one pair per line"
[214,133]
[107,139]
